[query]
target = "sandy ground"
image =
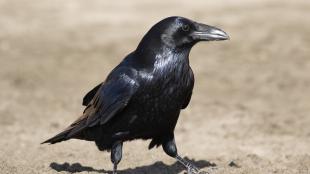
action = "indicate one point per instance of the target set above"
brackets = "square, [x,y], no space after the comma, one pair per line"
[251,98]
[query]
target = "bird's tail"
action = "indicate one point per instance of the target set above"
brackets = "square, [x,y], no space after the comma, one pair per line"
[73,131]
[62,136]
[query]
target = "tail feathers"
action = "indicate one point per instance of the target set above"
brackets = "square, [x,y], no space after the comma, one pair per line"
[73,131]
[62,136]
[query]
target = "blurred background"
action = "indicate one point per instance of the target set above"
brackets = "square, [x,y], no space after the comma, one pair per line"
[251,98]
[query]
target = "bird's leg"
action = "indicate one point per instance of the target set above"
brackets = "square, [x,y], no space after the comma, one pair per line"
[116,154]
[170,148]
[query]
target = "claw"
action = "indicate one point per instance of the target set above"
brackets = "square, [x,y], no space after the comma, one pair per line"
[192,169]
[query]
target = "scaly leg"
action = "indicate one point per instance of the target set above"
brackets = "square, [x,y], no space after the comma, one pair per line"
[116,154]
[190,167]
[170,148]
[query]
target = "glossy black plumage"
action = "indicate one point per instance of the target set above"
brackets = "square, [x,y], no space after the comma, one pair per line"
[143,96]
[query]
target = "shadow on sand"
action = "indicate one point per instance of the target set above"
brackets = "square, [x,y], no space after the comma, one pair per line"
[158,167]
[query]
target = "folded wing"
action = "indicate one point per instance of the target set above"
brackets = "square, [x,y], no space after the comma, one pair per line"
[110,99]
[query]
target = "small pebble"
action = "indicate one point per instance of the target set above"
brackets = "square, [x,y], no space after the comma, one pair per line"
[233,164]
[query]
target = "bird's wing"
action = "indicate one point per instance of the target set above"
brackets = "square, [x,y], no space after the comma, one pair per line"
[90,95]
[110,99]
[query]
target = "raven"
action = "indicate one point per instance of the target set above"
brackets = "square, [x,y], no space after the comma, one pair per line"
[142,97]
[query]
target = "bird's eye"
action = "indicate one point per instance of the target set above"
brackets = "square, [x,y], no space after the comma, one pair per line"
[185,28]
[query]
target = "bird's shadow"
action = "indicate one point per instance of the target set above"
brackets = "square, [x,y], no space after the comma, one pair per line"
[157,167]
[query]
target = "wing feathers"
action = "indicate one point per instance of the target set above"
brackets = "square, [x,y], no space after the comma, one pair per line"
[90,95]
[110,99]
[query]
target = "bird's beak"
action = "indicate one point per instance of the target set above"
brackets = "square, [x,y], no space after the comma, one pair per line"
[208,33]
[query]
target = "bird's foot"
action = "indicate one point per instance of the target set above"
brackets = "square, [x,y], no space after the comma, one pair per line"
[191,168]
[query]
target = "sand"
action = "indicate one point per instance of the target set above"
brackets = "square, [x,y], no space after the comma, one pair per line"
[249,112]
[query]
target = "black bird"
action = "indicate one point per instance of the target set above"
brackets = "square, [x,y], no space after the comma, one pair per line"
[142,97]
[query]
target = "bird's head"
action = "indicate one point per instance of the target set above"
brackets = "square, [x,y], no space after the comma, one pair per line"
[181,33]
